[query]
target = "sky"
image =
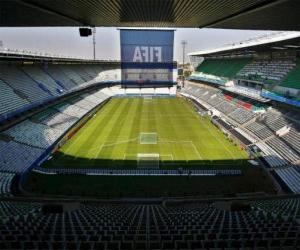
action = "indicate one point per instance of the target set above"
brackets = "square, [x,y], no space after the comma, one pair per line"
[66,40]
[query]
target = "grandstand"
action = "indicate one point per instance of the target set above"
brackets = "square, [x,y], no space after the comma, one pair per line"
[242,104]
[92,160]
[224,68]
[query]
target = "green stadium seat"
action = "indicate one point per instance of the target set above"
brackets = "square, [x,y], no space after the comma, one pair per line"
[292,80]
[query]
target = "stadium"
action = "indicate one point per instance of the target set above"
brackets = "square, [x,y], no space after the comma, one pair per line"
[146,152]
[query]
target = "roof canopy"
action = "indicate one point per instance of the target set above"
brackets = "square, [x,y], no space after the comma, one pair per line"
[239,14]
[274,41]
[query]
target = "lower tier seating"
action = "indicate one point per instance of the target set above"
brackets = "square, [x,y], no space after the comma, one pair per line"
[16,157]
[263,126]
[22,144]
[259,130]
[147,226]
[5,183]
[292,138]
[283,149]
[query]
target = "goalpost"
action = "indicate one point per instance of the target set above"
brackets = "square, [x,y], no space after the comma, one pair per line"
[148,161]
[147,97]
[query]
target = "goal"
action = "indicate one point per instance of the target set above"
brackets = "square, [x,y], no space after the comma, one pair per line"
[147,161]
[148,138]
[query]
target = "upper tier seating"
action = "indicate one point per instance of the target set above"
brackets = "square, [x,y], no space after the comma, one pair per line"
[71,74]
[292,80]
[10,101]
[268,71]
[26,86]
[81,70]
[59,76]
[222,67]
[41,77]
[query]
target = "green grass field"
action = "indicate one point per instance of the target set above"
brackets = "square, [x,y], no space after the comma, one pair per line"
[126,127]
[172,128]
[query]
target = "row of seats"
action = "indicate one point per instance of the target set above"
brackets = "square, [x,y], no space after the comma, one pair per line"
[222,67]
[272,158]
[267,70]
[285,151]
[9,99]
[249,92]
[291,177]
[23,85]
[241,115]
[217,100]
[285,72]
[17,157]
[45,131]
[15,209]
[150,226]
[260,130]
[266,126]
[274,120]
[6,183]
[280,207]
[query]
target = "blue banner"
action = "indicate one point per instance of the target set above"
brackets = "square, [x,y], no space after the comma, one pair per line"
[279,98]
[147,58]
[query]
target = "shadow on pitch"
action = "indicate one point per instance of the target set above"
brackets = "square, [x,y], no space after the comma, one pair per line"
[61,160]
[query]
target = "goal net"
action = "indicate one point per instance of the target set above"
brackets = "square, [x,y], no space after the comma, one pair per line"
[148,161]
[147,99]
[148,138]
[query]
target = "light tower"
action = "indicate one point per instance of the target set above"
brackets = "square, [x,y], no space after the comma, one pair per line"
[183,43]
[94,43]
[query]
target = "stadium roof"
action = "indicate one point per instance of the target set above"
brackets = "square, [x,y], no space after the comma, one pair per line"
[239,14]
[274,41]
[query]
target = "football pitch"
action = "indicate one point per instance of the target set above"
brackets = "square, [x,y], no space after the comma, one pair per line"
[125,129]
